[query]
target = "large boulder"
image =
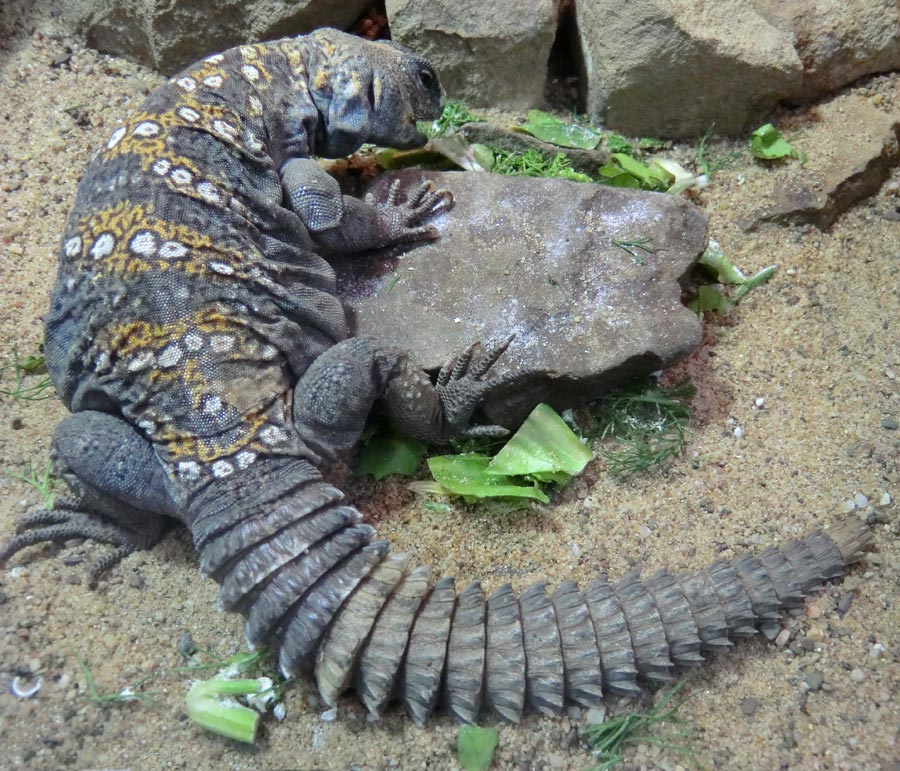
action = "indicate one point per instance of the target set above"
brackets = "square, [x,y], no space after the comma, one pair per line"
[490,55]
[587,277]
[675,68]
[167,35]
[837,42]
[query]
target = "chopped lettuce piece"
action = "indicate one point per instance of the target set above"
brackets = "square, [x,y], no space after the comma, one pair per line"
[543,445]
[766,143]
[624,171]
[389,452]
[616,143]
[475,747]
[543,450]
[467,475]
[550,129]
[709,298]
[661,174]
[726,272]
[681,179]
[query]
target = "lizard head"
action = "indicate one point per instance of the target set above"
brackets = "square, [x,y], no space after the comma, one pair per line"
[376,91]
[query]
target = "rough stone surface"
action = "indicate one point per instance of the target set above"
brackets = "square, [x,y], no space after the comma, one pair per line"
[849,153]
[837,42]
[536,257]
[489,54]
[673,69]
[169,35]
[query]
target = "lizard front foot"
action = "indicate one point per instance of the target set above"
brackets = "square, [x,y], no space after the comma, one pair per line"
[403,221]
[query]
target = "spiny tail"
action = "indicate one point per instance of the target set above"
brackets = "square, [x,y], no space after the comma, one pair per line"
[305,572]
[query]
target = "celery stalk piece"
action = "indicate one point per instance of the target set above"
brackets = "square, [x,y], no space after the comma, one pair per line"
[544,445]
[207,707]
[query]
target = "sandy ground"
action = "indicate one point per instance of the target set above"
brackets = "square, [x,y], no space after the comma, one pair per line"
[819,344]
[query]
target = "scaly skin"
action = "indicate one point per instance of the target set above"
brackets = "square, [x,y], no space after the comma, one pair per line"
[197,338]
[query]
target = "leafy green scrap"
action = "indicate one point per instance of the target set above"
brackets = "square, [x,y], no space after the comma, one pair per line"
[767,144]
[661,174]
[723,271]
[468,475]
[551,129]
[543,450]
[389,452]
[475,747]
[455,114]
[213,704]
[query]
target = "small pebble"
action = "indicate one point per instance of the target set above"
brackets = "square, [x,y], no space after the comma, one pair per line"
[857,675]
[136,581]
[876,651]
[738,432]
[808,644]
[814,680]
[749,707]
[844,603]
[329,715]
[890,424]
[595,715]
[885,499]
[860,500]
[185,645]
[783,638]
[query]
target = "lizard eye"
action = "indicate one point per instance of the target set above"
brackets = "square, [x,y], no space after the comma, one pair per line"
[427,79]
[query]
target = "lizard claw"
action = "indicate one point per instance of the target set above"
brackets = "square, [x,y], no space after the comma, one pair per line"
[462,385]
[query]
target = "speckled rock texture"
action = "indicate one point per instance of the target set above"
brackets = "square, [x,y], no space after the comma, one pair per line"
[586,276]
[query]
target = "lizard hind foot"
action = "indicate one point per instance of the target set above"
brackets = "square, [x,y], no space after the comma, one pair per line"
[465,381]
[64,522]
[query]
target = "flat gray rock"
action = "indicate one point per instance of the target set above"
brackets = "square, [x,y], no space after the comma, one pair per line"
[849,150]
[538,258]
